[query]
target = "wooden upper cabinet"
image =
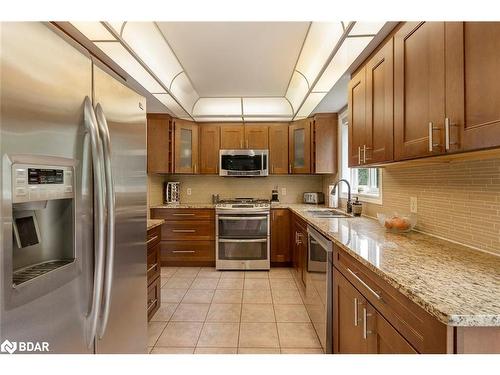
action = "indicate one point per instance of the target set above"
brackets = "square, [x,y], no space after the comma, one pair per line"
[357,117]
[379,127]
[232,136]
[325,142]
[419,89]
[256,136]
[186,146]
[278,149]
[209,148]
[159,148]
[299,146]
[472,89]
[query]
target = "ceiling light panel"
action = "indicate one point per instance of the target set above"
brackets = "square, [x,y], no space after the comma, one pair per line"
[266,107]
[218,119]
[310,103]
[127,62]
[116,26]
[345,56]
[148,43]
[266,119]
[297,90]
[218,107]
[184,91]
[366,28]
[320,41]
[93,30]
[172,105]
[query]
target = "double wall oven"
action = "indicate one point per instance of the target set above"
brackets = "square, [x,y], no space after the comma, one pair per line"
[243,234]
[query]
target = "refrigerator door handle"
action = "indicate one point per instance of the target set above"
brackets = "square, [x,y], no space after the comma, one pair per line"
[110,224]
[90,122]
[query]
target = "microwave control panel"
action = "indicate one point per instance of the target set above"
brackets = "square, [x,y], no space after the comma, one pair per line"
[41,182]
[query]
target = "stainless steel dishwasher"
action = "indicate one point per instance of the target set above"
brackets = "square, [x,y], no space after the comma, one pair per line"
[319,287]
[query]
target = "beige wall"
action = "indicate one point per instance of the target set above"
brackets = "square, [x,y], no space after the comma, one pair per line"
[458,200]
[202,187]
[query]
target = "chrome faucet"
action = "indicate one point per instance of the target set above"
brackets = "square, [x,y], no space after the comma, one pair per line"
[349,202]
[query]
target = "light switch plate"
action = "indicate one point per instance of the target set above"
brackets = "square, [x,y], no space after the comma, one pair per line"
[188,191]
[413,205]
[283,191]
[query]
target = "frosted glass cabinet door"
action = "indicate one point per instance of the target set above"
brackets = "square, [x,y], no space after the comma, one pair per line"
[186,146]
[300,147]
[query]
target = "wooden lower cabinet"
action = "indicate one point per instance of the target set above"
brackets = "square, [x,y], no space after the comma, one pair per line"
[153,271]
[298,241]
[187,236]
[281,253]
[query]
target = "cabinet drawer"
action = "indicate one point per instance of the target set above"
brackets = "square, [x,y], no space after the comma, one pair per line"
[419,328]
[153,263]
[153,237]
[185,251]
[175,214]
[188,230]
[154,297]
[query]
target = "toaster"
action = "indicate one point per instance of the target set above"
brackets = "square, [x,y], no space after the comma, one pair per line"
[314,198]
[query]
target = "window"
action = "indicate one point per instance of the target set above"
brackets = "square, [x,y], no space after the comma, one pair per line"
[366,183]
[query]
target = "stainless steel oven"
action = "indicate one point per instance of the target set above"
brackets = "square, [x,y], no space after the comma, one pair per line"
[319,287]
[243,236]
[243,163]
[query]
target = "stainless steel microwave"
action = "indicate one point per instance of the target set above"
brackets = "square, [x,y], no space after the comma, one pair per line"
[243,163]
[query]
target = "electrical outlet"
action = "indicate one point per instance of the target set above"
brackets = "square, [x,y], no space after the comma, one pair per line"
[188,191]
[283,191]
[413,205]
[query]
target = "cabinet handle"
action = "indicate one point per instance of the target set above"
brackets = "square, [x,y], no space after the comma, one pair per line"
[241,143]
[359,155]
[247,143]
[195,167]
[152,302]
[182,214]
[377,295]
[272,169]
[432,145]
[290,168]
[365,323]
[183,230]
[152,239]
[152,267]
[364,153]
[183,251]
[447,125]
[355,312]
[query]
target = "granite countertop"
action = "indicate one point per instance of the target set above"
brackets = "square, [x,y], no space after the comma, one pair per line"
[153,223]
[458,285]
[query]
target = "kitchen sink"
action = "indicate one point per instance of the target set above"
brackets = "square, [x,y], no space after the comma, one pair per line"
[328,213]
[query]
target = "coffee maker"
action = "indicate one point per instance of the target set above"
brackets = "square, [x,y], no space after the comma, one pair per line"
[171,192]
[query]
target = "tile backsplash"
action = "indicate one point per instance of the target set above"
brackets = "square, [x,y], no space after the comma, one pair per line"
[203,186]
[457,200]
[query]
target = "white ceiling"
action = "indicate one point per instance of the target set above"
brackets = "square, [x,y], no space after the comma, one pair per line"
[225,59]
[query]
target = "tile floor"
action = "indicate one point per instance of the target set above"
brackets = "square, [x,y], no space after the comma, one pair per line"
[205,311]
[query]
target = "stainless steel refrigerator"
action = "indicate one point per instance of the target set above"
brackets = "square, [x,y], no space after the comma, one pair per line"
[73,197]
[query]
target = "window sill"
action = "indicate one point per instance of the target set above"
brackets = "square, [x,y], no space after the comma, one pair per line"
[365,198]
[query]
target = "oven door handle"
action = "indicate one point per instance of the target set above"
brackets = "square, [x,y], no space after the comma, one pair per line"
[242,241]
[242,218]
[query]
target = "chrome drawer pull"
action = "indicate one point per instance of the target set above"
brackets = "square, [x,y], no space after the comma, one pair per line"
[377,296]
[183,251]
[183,230]
[365,324]
[152,267]
[152,239]
[182,214]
